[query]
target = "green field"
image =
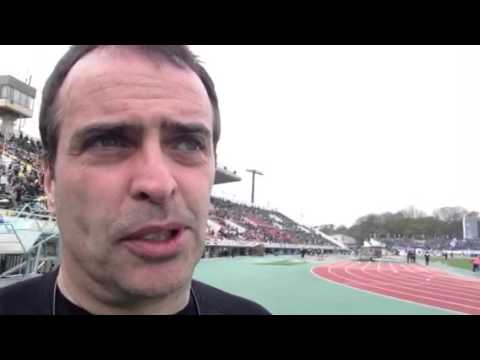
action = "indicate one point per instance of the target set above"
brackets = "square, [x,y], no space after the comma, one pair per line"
[461,263]
[285,262]
[293,290]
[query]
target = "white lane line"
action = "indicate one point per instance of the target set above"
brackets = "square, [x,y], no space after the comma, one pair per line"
[399,291]
[442,280]
[419,283]
[384,295]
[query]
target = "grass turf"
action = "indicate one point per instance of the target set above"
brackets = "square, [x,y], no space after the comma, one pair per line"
[461,263]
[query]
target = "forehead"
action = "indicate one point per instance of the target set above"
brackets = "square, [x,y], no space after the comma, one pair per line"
[118,80]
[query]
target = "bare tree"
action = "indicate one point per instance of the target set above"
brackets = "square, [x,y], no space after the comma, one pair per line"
[413,213]
[450,213]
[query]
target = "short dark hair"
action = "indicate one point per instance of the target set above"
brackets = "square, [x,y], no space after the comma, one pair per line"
[179,55]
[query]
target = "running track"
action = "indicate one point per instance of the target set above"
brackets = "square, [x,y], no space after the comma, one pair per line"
[410,282]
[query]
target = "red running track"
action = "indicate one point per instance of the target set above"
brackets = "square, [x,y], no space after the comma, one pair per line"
[411,282]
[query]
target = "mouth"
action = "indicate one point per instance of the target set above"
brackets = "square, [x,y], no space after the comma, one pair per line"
[162,235]
[156,242]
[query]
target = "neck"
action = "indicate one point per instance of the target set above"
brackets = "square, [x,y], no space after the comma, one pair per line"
[96,299]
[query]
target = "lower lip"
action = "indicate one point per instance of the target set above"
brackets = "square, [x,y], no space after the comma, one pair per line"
[156,249]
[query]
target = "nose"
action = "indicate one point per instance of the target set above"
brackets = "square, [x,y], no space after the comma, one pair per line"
[153,178]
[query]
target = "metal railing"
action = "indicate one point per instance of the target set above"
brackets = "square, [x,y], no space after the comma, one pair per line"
[11,230]
[36,257]
[49,220]
[34,260]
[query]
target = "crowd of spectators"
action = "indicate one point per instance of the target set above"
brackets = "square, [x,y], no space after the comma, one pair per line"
[20,177]
[433,243]
[259,224]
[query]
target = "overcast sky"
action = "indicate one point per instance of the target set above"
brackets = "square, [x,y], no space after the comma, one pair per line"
[339,131]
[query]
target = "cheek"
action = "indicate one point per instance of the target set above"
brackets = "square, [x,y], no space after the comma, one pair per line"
[91,187]
[196,192]
[87,198]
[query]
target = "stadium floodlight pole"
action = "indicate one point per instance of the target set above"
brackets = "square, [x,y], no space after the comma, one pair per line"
[254,172]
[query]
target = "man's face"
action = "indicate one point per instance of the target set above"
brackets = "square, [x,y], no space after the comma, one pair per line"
[134,169]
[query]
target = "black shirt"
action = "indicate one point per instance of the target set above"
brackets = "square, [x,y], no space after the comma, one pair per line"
[63,306]
[35,297]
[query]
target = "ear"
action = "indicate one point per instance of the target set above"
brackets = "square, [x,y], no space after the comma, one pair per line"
[49,184]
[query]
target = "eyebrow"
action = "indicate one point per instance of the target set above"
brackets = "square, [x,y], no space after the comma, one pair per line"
[119,128]
[170,126]
[132,129]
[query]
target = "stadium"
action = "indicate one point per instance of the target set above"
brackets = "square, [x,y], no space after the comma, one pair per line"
[251,251]
[264,255]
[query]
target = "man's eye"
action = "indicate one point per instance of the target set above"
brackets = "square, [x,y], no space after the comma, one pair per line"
[107,142]
[189,145]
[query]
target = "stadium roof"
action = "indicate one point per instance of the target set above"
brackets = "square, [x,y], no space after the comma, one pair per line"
[18,85]
[223,176]
[373,243]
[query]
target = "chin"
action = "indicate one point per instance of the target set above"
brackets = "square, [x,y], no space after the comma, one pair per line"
[156,282]
[143,278]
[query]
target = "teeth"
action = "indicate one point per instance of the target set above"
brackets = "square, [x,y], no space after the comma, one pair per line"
[159,236]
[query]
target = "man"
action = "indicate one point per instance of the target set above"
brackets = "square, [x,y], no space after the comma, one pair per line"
[427,258]
[3,181]
[130,135]
[19,190]
[476,263]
